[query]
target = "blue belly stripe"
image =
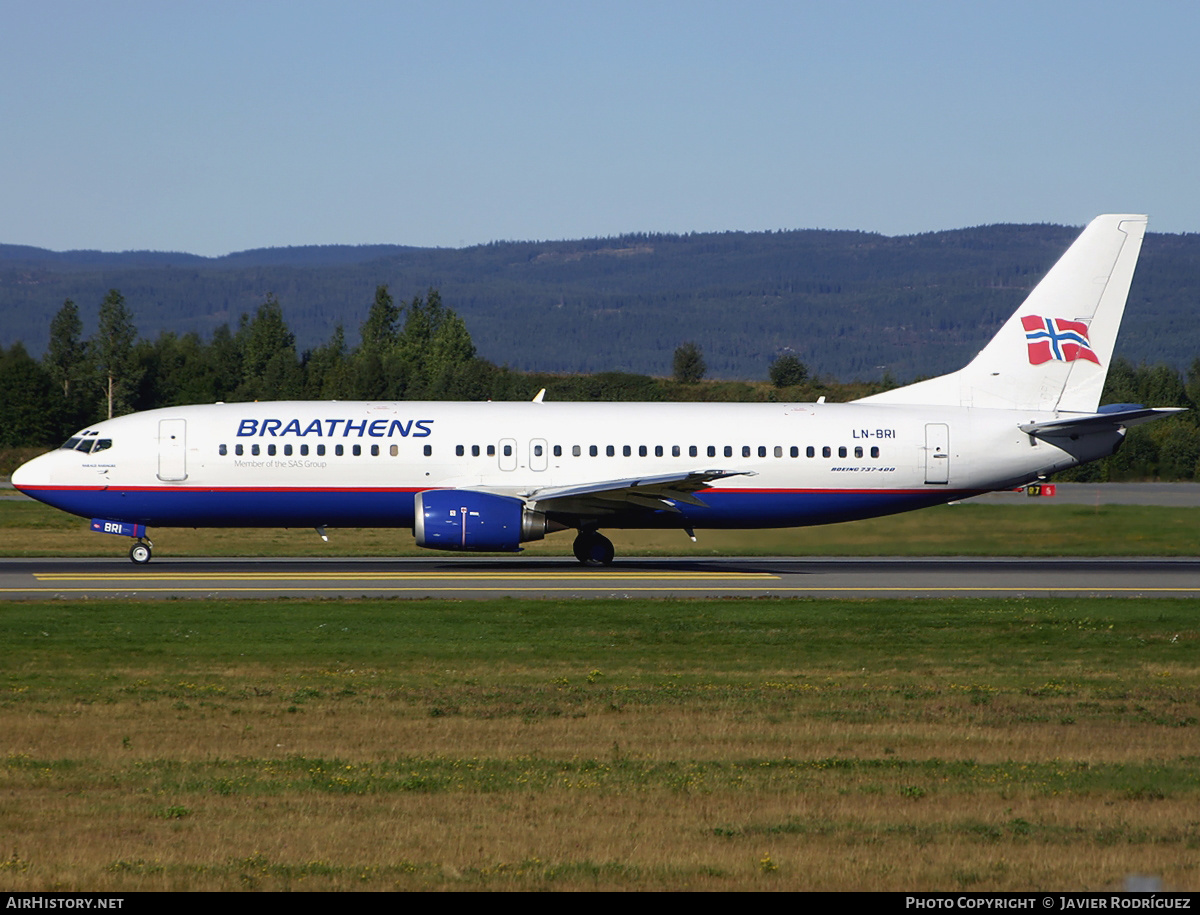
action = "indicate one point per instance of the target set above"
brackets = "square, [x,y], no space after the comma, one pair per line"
[724,508]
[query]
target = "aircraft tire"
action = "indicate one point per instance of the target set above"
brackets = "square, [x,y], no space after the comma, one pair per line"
[593,549]
[139,553]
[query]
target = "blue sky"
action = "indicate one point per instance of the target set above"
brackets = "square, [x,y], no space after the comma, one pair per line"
[219,126]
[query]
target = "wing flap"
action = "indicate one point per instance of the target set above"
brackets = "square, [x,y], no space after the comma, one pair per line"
[656,493]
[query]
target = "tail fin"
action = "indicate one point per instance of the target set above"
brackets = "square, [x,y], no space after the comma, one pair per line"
[1053,353]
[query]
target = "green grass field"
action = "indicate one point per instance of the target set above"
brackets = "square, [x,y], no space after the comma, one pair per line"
[29,528]
[636,744]
[542,744]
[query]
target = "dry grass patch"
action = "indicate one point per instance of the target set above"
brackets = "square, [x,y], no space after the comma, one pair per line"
[573,839]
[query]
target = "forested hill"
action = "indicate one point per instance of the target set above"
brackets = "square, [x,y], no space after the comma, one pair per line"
[849,304]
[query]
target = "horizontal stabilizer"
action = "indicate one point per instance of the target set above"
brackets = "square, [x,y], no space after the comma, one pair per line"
[1104,421]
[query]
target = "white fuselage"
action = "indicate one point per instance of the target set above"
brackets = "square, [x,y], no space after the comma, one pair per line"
[360,464]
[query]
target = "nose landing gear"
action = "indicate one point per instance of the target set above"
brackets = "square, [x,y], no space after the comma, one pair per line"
[140,552]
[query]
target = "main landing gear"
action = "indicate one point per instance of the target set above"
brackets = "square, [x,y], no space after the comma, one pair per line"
[140,552]
[593,549]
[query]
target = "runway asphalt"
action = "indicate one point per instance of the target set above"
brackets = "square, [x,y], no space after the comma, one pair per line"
[473,577]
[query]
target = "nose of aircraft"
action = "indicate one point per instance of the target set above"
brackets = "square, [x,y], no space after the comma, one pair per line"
[33,474]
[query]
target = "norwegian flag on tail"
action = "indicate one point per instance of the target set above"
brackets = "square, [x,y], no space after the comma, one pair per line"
[1057,338]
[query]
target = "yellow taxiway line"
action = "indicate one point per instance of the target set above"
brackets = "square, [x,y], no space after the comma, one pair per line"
[410,576]
[624,587]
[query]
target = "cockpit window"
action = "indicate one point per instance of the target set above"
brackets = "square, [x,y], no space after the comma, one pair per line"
[86,444]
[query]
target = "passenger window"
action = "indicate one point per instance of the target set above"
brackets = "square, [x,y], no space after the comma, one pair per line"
[537,450]
[338,450]
[693,451]
[394,450]
[271,450]
[658,450]
[712,450]
[304,451]
[474,451]
[507,450]
[610,450]
[223,450]
[858,451]
[459,450]
[491,450]
[745,451]
[357,449]
[874,452]
[593,450]
[374,451]
[429,450]
[237,449]
[810,451]
[287,450]
[841,451]
[255,450]
[626,451]
[826,451]
[321,450]
[778,451]
[794,452]
[558,450]
[729,451]
[674,451]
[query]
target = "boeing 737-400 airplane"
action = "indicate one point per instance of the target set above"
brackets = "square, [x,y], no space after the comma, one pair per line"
[491,476]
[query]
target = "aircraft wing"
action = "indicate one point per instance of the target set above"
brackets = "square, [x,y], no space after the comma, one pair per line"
[1121,416]
[652,492]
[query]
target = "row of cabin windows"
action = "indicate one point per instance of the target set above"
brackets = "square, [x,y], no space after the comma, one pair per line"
[557,450]
[676,451]
[303,450]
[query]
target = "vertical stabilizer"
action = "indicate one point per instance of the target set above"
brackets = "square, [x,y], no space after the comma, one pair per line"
[1054,352]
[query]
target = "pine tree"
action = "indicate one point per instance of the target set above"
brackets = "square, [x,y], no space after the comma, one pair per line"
[26,411]
[432,350]
[786,370]
[112,349]
[375,359]
[379,330]
[270,369]
[65,354]
[328,370]
[689,364]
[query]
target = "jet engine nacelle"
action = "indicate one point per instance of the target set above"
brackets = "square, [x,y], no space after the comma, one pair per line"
[461,519]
